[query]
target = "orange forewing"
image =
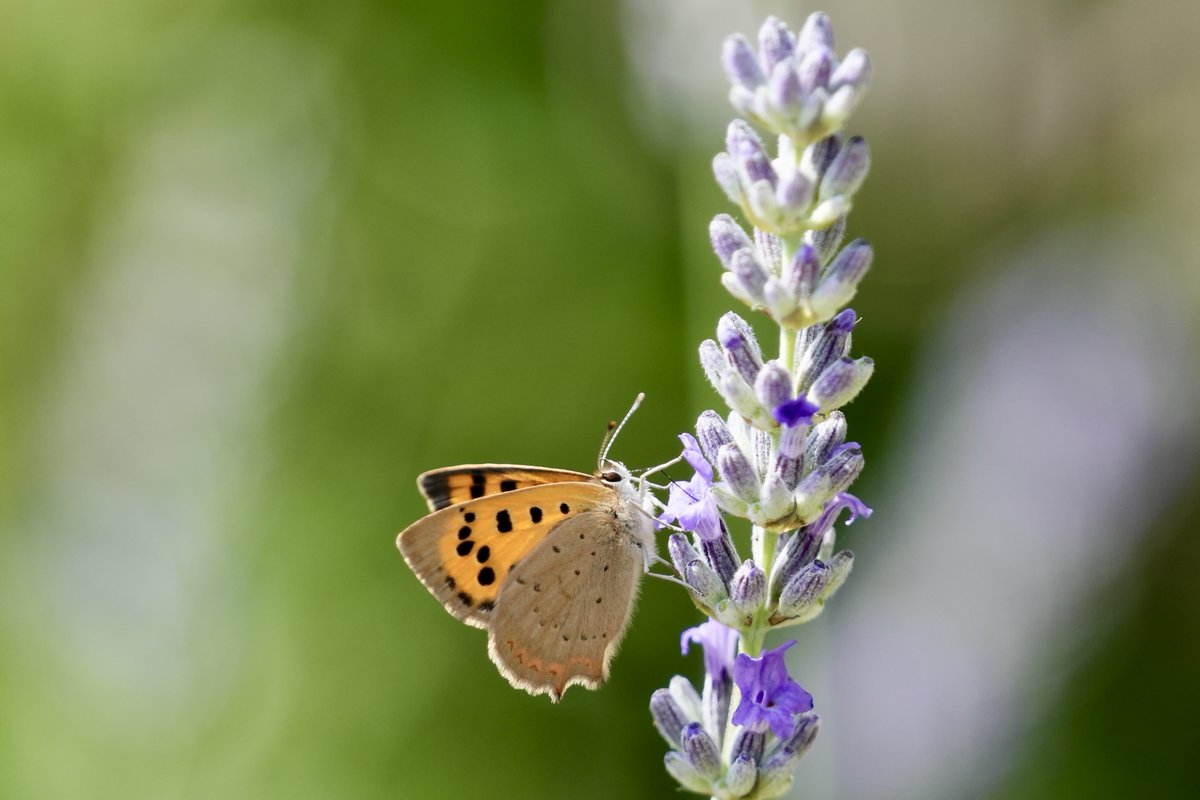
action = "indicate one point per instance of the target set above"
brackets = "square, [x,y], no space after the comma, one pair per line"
[446,487]
[463,553]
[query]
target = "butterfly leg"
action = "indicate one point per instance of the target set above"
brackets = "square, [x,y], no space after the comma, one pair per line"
[668,579]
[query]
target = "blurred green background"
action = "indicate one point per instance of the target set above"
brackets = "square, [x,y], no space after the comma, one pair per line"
[262,263]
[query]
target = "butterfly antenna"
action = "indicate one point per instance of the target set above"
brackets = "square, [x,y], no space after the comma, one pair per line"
[614,429]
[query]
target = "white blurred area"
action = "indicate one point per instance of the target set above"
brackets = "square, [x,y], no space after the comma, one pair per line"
[1052,418]
[1053,411]
[117,579]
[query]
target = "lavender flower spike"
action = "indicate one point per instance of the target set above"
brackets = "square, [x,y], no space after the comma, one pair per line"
[779,460]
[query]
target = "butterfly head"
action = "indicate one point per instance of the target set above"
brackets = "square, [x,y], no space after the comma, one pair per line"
[617,476]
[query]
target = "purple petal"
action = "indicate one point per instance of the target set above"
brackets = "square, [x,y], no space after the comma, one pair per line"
[795,412]
[793,698]
[782,724]
[745,673]
[693,456]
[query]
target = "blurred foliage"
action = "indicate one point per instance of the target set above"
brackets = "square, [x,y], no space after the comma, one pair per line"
[491,263]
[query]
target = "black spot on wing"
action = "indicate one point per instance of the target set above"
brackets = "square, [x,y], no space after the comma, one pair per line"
[478,483]
[503,521]
[508,485]
[487,576]
[535,515]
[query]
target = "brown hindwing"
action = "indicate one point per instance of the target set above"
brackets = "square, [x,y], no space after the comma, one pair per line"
[559,619]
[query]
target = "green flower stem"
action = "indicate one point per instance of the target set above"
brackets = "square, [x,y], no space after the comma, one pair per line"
[787,347]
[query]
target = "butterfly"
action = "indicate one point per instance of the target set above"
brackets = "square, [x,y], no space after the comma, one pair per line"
[547,561]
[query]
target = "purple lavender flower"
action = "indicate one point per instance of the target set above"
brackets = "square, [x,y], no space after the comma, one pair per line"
[834,507]
[691,504]
[770,698]
[720,646]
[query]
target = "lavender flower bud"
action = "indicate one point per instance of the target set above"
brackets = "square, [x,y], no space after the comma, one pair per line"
[770,250]
[843,468]
[815,69]
[720,555]
[717,695]
[685,773]
[821,154]
[839,569]
[780,303]
[700,749]
[763,448]
[825,437]
[842,102]
[760,204]
[681,551]
[800,597]
[854,71]
[828,211]
[740,64]
[748,589]
[748,356]
[848,169]
[725,171]
[685,695]
[750,274]
[775,776]
[749,154]
[841,382]
[776,503]
[737,472]
[807,726]
[784,91]
[813,491]
[738,394]
[826,240]
[740,777]
[800,274]
[712,434]
[796,553]
[735,288]
[669,718]
[773,385]
[705,584]
[713,362]
[840,281]
[794,193]
[787,468]
[775,42]
[829,343]
[778,781]
[727,238]
[816,32]
[748,744]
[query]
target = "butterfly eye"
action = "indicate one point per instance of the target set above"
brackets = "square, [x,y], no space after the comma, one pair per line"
[611,477]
